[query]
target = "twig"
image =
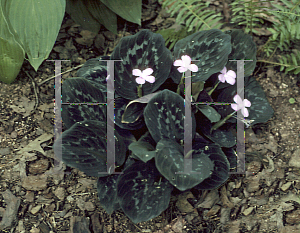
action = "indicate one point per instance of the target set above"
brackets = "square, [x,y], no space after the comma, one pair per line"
[48,79]
[35,89]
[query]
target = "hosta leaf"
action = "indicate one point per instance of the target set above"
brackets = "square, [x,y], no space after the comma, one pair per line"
[84,146]
[107,193]
[260,110]
[37,24]
[79,90]
[142,192]
[140,51]
[220,172]
[210,47]
[144,148]
[130,10]
[243,48]
[164,116]
[169,160]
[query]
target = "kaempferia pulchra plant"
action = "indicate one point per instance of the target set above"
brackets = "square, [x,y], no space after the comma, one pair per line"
[149,117]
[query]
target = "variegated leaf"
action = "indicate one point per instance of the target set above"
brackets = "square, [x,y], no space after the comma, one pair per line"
[142,192]
[169,160]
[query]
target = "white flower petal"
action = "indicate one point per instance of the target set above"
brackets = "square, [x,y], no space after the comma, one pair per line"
[193,68]
[245,112]
[147,71]
[231,73]
[186,60]
[182,69]
[178,63]
[150,79]
[221,78]
[230,80]
[234,107]
[246,103]
[140,80]
[238,100]
[223,71]
[136,72]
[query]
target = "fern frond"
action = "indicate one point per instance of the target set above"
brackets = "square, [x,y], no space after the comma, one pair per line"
[290,62]
[247,12]
[194,14]
[171,36]
[288,27]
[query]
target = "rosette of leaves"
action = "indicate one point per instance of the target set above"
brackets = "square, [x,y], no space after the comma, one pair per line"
[148,175]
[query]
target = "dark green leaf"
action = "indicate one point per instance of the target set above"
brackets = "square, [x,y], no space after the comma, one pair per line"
[164,116]
[211,48]
[243,48]
[142,192]
[169,160]
[140,51]
[84,146]
[107,193]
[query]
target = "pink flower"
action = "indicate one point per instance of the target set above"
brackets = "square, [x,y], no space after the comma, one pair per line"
[241,104]
[228,76]
[143,76]
[185,64]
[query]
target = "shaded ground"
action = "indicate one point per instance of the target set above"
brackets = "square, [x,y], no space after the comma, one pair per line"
[34,200]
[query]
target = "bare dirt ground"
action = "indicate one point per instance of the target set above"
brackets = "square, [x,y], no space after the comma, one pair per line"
[32,199]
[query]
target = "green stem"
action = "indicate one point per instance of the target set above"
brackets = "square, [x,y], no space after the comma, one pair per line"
[139,91]
[181,82]
[211,91]
[221,122]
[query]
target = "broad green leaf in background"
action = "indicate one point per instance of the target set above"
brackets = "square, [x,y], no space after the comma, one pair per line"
[131,10]
[37,23]
[90,14]
[11,53]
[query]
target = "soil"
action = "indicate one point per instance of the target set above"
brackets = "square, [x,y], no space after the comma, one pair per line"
[35,199]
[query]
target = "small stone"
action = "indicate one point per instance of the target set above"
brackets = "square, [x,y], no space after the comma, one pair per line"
[60,193]
[286,186]
[36,209]
[248,211]
[295,159]
[4,151]
[34,230]
[38,182]
[29,197]
[254,167]
[293,218]
[39,167]
[253,186]
[89,206]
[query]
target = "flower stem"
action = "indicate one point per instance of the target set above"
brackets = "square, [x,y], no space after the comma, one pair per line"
[221,122]
[181,82]
[211,91]
[139,91]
